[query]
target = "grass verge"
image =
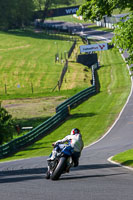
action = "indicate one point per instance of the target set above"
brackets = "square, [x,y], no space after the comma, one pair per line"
[124,158]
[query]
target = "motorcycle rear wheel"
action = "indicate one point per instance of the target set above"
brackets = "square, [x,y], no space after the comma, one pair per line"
[59,169]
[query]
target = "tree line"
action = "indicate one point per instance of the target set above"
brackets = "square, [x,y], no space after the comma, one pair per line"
[19,13]
[6,125]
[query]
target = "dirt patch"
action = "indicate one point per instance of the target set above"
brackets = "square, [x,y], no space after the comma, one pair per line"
[31,108]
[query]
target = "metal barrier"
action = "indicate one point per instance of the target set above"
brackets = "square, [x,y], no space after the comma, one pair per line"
[62,112]
[110,22]
[34,134]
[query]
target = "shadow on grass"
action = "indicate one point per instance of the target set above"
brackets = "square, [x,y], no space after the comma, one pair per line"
[115,63]
[34,148]
[34,122]
[32,34]
[100,28]
[79,115]
[128,162]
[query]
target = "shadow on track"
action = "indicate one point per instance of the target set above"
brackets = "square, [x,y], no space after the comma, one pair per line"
[89,176]
[19,175]
[89,167]
[95,166]
[23,172]
[11,176]
[19,179]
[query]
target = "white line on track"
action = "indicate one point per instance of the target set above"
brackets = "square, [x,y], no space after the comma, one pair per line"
[113,162]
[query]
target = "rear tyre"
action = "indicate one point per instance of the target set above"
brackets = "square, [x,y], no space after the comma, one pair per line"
[59,169]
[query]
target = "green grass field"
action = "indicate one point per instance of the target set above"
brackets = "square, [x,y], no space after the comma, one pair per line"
[28,70]
[97,114]
[27,63]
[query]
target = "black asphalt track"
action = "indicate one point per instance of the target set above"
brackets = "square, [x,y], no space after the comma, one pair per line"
[95,178]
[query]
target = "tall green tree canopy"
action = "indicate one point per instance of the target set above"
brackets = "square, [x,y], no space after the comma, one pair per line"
[15,13]
[6,125]
[124,37]
[96,9]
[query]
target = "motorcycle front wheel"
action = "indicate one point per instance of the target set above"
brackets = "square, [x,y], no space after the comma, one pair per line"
[59,169]
[47,175]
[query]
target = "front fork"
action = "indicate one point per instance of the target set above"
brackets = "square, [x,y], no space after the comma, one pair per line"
[52,165]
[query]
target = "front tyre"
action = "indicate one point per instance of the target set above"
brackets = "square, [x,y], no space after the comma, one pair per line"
[59,169]
[47,175]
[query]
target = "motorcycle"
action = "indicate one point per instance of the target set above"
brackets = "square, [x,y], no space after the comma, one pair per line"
[61,163]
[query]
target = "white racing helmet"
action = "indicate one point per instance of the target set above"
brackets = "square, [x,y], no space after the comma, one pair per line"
[75,131]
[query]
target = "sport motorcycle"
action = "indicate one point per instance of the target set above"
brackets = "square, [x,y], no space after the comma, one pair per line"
[60,161]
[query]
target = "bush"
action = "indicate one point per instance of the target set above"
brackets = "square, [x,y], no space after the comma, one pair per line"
[6,126]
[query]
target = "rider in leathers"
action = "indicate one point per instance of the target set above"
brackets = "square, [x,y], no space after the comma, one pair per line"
[76,142]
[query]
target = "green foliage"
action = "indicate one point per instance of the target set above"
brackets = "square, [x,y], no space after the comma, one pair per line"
[18,13]
[96,9]
[124,37]
[125,158]
[6,125]
[15,13]
[122,5]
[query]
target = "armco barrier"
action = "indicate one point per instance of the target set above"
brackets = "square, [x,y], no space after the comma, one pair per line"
[33,135]
[76,99]
[62,112]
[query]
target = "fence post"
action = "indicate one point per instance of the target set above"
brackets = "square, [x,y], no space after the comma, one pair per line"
[59,85]
[5,89]
[69,109]
[32,88]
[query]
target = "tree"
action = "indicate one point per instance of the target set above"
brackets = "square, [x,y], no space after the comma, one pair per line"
[24,12]
[6,125]
[45,5]
[96,9]
[15,13]
[124,37]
